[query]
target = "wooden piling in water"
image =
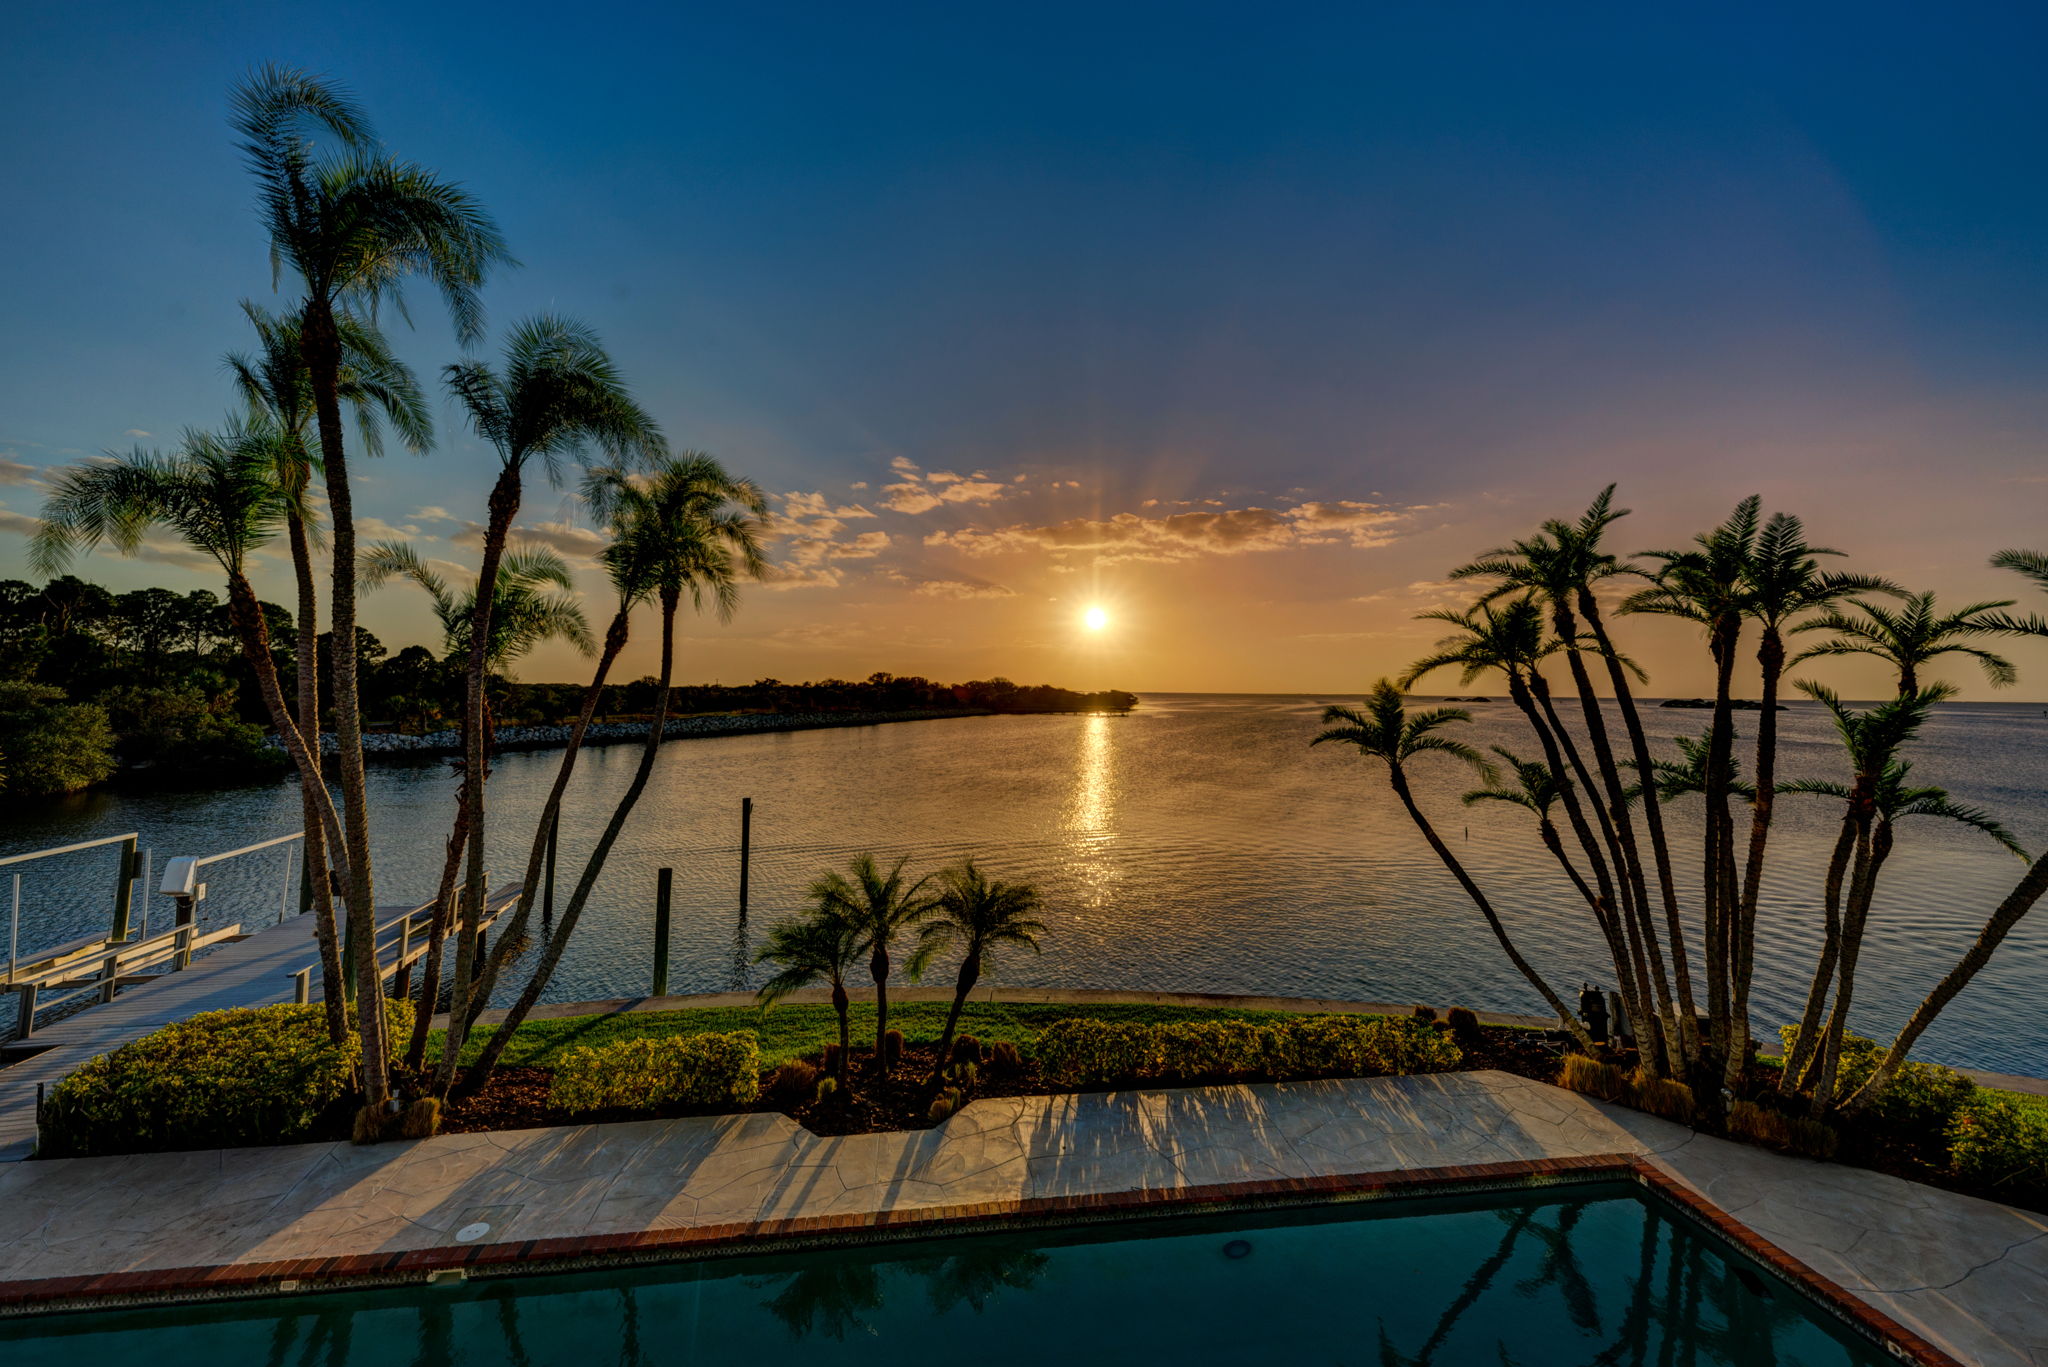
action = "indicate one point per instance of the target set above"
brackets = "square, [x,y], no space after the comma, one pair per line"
[746,842]
[664,884]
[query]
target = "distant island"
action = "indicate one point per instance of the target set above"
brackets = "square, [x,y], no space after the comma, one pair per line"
[1739,704]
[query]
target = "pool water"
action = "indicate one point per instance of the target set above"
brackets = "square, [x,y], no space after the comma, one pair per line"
[1575,1275]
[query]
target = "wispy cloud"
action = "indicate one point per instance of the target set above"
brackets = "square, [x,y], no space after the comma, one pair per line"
[14,471]
[1186,536]
[137,432]
[961,588]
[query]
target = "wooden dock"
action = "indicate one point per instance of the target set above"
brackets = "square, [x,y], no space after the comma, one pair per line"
[270,967]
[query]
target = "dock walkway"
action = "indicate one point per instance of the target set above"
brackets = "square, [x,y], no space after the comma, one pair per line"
[256,971]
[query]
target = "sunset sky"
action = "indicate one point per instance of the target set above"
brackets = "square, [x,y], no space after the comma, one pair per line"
[1244,323]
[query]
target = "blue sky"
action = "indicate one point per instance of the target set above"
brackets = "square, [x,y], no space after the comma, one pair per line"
[1249,321]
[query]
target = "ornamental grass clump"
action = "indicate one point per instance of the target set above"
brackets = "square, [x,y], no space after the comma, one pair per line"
[1590,1076]
[221,1079]
[673,1070]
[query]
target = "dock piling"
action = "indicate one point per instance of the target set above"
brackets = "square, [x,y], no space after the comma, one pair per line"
[124,889]
[664,885]
[746,843]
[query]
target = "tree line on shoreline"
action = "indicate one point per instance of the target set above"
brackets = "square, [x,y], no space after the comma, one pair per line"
[150,686]
[1543,621]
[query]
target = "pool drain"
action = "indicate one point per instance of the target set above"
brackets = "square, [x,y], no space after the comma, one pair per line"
[1238,1248]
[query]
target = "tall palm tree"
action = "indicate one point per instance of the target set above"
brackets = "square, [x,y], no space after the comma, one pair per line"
[220,495]
[527,614]
[880,906]
[278,391]
[976,916]
[352,225]
[556,396]
[2009,912]
[1871,740]
[1385,731]
[1785,581]
[818,946]
[1708,584]
[1564,564]
[686,528]
[1911,636]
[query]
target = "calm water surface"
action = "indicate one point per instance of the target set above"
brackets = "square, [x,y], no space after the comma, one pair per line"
[1553,1281]
[1196,844]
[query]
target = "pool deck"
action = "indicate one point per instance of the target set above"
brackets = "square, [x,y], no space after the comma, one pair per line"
[1947,1273]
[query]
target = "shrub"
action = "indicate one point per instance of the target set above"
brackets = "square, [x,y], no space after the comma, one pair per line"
[1593,1078]
[793,1083]
[250,1075]
[1916,1108]
[1080,1052]
[1811,1138]
[1464,1026]
[687,1070]
[1193,1051]
[1368,1046]
[1004,1057]
[966,1049]
[2001,1144]
[1425,1013]
[892,1048]
[1747,1120]
[828,1088]
[829,1058]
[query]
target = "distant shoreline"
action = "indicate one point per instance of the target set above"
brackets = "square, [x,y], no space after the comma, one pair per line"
[382,745]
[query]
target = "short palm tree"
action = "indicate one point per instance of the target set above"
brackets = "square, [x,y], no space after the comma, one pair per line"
[1385,731]
[974,916]
[688,529]
[352,225]
[880,906]
[220,494]
[1911,636]
[1537,789]
[817,947]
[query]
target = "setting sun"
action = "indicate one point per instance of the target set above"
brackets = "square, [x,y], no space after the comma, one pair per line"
[1095,619]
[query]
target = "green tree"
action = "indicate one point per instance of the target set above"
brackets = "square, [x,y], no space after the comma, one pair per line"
[820,946]
[1912,636]
[1385,731]
[880,906]
[974,916]
[52,746]
[352,224]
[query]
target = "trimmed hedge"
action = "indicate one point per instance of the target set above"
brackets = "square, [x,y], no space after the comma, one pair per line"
[1090,1053]
[222,1079]
[686,1070]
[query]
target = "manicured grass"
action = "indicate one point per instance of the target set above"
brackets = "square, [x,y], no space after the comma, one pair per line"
[793,1030]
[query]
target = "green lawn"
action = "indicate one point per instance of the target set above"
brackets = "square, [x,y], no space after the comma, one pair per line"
[792,1030]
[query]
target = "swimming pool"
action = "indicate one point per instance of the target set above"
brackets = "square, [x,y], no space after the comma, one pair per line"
[1598,1272]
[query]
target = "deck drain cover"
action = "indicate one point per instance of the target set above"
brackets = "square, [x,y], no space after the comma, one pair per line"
[469,1234]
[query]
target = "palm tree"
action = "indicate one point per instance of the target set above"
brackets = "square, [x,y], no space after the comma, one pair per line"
[1708,584]
[1386,732]
[880,906]
[690,528]
[821,945]
[352,224]
[221,495]
[526,615]
[1536,789]
[1784,580]
[2005,916]
[1871,740]
[976,916]
[1564,565]
[1909,637]
[277,390]
[556,396]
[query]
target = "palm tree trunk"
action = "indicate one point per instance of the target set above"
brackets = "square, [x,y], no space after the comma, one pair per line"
[1807,1043]
[504,506]
[878,968]
[1493,922]
[2017,903]
[529,886]
[322,348]
[326,932]
[1719,845]
[963,983]
[844,1007]
[437,937]
[551,955]
[1862,886]
[1770,655]
[1653,821]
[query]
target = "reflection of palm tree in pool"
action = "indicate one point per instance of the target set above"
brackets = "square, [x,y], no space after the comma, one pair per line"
[828,1299]
[973,1277]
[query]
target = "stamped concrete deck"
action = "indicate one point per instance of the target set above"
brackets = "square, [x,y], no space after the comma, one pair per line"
[1968,1275]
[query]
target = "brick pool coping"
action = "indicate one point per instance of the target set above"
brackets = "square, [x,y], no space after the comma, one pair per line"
[530,1257]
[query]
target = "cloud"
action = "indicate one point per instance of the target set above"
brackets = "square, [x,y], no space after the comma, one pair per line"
[377,529]
[943,477]
[796,504]
[908,498]
[137,432]
[21,524]
[431,513]
[922,498]
[960,588]
[802,577]
[580,544]
[904,466]
[13,471]
[1185,536]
